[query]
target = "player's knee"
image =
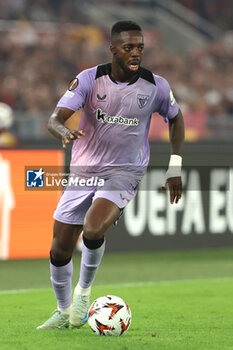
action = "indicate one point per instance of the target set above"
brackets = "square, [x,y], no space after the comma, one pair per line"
[92,232]
[59,253]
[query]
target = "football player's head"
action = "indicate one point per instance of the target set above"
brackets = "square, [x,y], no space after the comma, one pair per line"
[127,45]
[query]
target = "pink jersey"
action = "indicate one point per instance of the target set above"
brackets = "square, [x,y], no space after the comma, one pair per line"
[116,118]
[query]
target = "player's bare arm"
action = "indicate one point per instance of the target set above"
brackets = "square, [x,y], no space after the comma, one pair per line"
[176,132]
[57,128]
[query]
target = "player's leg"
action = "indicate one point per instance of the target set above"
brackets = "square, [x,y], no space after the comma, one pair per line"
[61,268]
[100,216]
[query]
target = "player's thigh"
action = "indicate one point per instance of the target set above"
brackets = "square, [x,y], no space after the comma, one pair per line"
[65,236]
[99,217]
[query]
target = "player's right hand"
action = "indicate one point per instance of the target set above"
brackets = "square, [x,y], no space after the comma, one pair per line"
[71,135]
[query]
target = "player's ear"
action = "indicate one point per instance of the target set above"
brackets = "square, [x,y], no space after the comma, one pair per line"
[113,49]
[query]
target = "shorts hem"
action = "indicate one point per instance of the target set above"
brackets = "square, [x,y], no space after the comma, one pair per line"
[64,221]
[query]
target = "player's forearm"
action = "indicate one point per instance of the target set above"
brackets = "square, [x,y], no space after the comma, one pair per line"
[56,124]
[176,131]
[56,127]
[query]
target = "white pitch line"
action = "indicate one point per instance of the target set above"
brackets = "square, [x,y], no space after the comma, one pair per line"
[126,285]
[19,291]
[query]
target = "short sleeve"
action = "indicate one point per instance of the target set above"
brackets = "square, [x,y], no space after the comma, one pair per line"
[166,104]
[78,90]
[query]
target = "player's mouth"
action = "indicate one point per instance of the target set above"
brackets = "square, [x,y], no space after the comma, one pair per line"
[134,66]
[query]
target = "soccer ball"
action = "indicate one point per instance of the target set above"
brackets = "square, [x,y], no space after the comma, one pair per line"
[109,315]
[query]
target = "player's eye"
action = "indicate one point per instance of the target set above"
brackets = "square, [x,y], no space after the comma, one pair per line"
[127,48]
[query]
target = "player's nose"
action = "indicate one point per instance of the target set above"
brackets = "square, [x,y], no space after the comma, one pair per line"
[135,52]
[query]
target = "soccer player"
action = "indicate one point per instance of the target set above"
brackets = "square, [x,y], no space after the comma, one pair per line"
[118,100]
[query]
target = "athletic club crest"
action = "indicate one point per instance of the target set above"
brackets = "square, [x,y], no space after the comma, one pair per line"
[142,100]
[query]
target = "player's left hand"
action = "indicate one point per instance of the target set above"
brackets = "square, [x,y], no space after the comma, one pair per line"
[175,188]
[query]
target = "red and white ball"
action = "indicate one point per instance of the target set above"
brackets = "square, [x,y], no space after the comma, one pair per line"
[109,315]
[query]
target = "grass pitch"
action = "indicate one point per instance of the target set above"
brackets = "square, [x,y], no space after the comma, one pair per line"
[179,301]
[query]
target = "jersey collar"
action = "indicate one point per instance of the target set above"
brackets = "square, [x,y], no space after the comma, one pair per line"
[136,77]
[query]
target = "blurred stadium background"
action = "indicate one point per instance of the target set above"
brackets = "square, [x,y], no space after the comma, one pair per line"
[187,247]
[45,43]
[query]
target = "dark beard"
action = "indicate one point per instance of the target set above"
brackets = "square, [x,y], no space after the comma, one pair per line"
[125,69]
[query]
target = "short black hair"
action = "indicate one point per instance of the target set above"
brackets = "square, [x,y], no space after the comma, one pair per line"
[124,26]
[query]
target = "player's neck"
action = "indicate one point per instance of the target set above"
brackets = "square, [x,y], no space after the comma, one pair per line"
[119,75]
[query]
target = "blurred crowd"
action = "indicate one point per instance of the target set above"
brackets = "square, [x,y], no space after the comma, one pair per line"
[37,64]
[42,10]
[218,12]
[38,61]
[202,82]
